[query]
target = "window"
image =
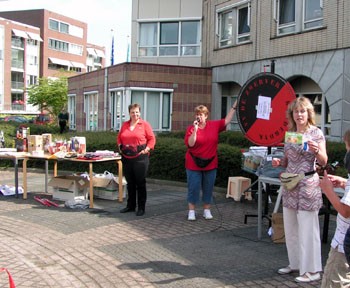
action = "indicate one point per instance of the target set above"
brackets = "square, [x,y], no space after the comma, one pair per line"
[175,38]
[72,112]
[156,107]
[234,24]
[169,39]
[53,24]
[58,26]
[58,45]
[115,108]
[289,20]
[91,111]
[64,28]
[313,15]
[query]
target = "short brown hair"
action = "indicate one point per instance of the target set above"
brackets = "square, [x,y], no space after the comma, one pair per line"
[134,105]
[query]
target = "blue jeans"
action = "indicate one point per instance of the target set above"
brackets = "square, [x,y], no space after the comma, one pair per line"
[197,180]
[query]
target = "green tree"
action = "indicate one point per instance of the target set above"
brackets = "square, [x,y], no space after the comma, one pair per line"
[50,94]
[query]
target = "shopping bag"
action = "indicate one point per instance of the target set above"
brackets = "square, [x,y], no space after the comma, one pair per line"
[277,228]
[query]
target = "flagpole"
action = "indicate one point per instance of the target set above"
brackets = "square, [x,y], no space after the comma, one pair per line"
[128,50]
[112,48]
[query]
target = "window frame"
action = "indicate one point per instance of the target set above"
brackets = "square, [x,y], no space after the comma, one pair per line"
[175,48]
[300,23]
[234,36]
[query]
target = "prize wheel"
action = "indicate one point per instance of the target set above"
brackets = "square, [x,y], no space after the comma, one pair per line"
[262,105]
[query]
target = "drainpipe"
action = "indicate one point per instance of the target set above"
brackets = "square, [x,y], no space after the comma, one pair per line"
[105,98]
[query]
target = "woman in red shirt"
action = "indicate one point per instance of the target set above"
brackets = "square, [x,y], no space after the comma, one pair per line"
[201,160]
[135,140]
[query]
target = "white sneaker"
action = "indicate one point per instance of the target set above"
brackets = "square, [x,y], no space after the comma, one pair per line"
[191,215]
[207,214]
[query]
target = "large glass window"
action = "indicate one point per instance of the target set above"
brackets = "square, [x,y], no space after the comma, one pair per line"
[178,38]
[155,108]
[289,21]
[234,25]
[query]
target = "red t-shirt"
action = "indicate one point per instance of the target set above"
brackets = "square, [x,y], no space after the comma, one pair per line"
[206,144]
[142,134]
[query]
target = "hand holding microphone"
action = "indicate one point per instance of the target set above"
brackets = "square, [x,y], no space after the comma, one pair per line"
[197,121]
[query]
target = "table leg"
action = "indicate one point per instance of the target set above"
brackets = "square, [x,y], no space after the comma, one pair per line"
[120,178]
[259,209]
[55,168]
[91,187]
[25,178]
[46,174]
[16,176]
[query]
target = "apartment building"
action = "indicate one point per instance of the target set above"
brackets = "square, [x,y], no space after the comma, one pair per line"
[308,41]
[63,52]
[19,64]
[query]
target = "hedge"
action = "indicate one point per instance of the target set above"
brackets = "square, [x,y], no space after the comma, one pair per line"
[167,160]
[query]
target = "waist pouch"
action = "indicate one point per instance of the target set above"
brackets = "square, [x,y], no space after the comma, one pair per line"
[131,151]
[202,162]
[290,180]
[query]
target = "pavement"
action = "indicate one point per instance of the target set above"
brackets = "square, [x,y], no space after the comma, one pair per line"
[100,247]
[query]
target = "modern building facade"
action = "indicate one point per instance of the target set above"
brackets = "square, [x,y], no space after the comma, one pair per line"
[307,39]
[41,43]
[306,42]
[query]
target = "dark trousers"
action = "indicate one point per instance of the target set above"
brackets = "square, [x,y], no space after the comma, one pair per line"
[135,171]
[63,124]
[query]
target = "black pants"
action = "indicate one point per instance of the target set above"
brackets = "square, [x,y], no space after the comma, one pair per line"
[135,171]
[63,124]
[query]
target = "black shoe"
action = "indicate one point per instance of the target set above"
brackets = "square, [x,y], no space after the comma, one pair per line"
[127,209]
[140,212]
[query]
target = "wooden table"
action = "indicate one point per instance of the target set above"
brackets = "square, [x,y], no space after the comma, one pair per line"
[91,162]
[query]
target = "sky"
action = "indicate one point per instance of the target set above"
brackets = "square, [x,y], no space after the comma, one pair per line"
[105,18]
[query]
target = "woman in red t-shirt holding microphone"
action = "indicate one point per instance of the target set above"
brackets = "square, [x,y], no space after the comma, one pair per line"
[201,160]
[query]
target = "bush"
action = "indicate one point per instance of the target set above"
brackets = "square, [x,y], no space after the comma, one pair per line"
[167,161]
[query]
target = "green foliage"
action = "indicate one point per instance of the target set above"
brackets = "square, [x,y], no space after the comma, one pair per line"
[167,161]
[49,95]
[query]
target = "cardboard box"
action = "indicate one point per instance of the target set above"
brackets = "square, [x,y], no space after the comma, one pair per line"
[69,187]
[35,143]
[108,188]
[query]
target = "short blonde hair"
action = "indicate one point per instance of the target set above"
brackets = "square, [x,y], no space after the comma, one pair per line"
[201,109]
[300,102]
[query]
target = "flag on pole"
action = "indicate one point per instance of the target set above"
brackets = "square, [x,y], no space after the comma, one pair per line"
[112,52]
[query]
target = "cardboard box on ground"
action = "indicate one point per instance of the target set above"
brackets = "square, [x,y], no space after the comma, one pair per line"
[107,188]
[69,187]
